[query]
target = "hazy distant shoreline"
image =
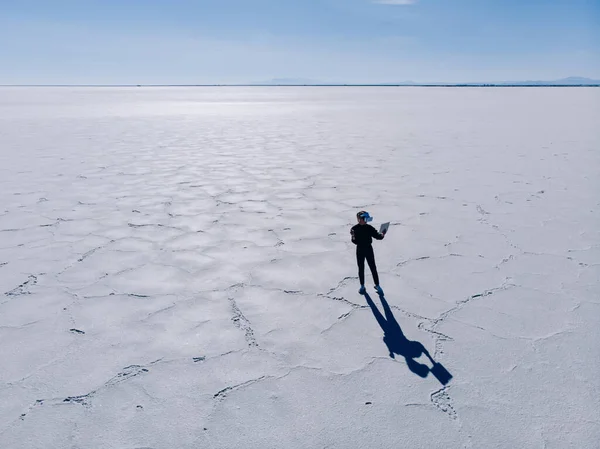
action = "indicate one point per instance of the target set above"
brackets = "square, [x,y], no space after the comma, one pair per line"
[300,85]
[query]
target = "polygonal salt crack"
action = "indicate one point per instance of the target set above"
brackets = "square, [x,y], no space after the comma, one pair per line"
[23,289]
[90,252]
[222,394]
[85,399]
[127,373]
[443,401]
[439,335]
[460,304]
[85,256]
[482,211]
[279,241]
[340,284]
[344,300]
[242,323]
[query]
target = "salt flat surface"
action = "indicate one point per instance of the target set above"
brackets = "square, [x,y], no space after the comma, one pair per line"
[176,268]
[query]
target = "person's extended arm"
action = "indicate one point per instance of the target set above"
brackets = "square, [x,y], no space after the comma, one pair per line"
[376,235]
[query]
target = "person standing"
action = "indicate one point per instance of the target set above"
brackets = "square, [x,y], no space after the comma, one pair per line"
[362,236]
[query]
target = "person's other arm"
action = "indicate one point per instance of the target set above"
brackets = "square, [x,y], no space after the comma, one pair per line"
[353,236]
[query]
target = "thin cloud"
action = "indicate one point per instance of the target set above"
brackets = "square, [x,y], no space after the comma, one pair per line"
[396,2]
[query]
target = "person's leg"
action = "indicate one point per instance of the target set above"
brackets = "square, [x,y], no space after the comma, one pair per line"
[360,260]
[371,261]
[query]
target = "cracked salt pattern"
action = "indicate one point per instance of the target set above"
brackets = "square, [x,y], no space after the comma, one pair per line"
[176,268]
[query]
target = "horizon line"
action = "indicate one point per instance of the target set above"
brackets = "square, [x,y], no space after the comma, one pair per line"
[593,83]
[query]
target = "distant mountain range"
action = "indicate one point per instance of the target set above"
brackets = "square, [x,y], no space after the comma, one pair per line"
[570,81]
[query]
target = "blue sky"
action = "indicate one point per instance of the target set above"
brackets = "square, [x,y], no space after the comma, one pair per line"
[240,41]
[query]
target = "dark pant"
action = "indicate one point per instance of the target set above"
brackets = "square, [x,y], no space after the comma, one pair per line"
[362,253]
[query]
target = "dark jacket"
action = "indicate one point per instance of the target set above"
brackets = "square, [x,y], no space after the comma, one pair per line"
[363,235]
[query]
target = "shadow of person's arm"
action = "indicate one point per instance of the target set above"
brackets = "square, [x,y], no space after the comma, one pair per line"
[419,369]
[438,370]
[426,352]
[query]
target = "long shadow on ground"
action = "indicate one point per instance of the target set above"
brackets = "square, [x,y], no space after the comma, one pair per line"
[397,343]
